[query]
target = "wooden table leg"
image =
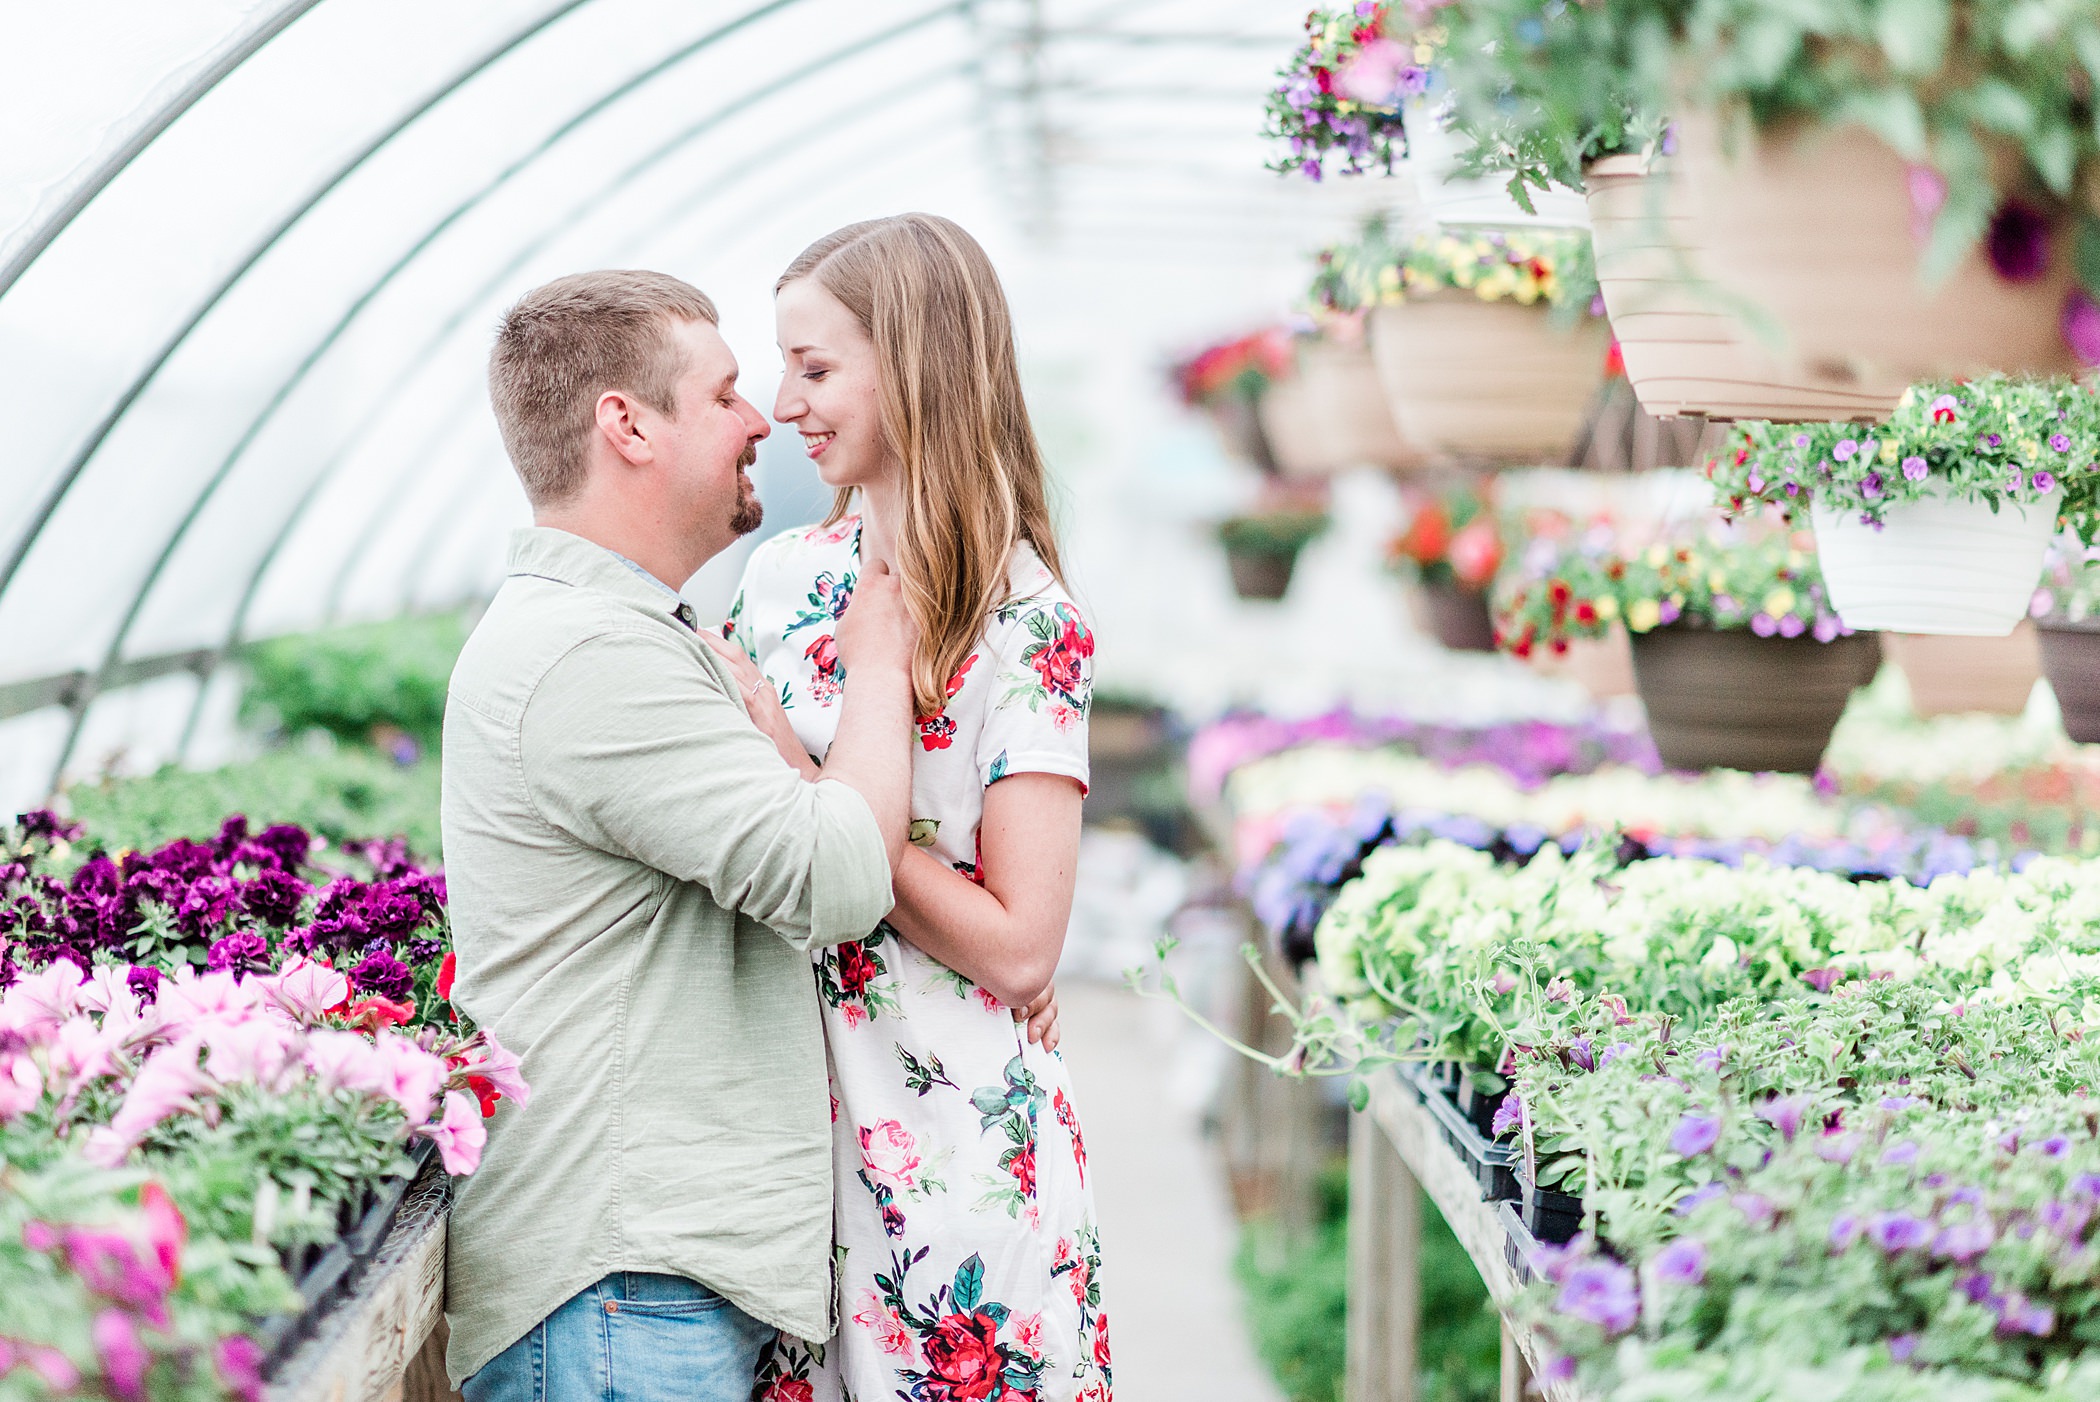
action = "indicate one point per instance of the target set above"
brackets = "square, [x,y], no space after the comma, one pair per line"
[1385,1276]
[1516,1372]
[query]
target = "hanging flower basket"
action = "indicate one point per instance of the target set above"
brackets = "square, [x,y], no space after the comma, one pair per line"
[1344,398]
[1458,617]
[1683,353]
[2071,661]
[1262,550]
[1486,382]
[1951,676]
[1819,232]
[1226,382]
[1301,444]
[1937,521]
[1936,566]
[1730,699]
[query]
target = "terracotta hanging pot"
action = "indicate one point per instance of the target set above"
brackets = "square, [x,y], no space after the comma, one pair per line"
[1239,430]
[1343,396]
[1952,675]
[1601,666]
[2071,661]
[1684,354]
[1303,444]
[1935,565]
[1459,618]
[1486,383]
[1815,230]
[1729,699]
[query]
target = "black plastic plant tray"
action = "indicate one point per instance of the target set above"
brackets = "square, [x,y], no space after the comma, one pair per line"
[1519,1248]
[325,1272]
[1494,1165]
[1553,1217]
[1477,1105]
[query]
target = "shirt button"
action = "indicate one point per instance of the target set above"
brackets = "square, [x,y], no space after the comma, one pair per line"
[612,1306]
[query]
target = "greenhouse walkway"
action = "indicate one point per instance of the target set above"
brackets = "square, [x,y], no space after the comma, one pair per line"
[1176,1321]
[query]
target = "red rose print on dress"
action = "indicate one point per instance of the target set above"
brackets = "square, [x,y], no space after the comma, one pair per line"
[963,1360]
[937,731]
[823,654]
[1059,658]
[1070,1120]
[789,1390]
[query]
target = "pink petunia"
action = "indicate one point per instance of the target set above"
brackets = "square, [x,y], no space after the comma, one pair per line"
[39,1003]
[254,1052]
[122,1354]
[21,1085]
[488,1057]
[460,1134]
[408,1075]
[167,1084]
[190,998]
[305,990]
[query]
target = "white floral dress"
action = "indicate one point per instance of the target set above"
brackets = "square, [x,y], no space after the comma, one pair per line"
[968,1258]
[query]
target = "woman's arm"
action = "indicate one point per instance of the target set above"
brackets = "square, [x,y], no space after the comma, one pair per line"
[1007,934]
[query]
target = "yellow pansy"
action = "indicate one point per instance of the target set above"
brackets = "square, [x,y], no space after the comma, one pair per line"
[1643,614]
[1888,451]
[1656,555]
[1608,607]
[1779,601]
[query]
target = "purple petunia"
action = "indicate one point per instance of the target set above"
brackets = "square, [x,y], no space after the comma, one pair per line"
[1965,1241]
[1697,1198]
[240,952]
[1900,1154]
[1509,1116]
[1844,1230]
[2018,242]
[383,974]
[1895,1232]
[1902,1346]
[1785,1113]
[1601,1292]
[1844,450]
[2043,482]
[1682,1262]
[1870,486]
[1695,1134]
[1915,468]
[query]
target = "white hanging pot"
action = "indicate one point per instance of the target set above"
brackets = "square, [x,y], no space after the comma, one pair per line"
[1936,566]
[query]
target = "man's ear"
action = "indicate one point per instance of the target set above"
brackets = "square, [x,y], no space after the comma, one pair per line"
[620,422]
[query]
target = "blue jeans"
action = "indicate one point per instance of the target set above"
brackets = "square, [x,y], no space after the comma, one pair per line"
[632,1337]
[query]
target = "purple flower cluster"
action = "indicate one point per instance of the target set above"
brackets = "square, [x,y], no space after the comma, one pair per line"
[241,901]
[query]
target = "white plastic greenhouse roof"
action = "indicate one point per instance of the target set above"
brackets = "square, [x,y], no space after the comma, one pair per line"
[251,252]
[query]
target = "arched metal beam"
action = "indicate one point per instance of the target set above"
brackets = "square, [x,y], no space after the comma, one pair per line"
[77,464]
[716,184]
[277,400]
[148,132]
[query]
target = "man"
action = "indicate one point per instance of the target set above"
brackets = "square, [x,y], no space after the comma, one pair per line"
[637,878]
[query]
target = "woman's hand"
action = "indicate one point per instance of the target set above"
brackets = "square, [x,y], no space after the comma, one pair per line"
[1041,1018]
[764,704]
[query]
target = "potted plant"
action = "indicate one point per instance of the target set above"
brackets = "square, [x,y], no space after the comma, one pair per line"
[1262,547]
[1340,94]
[1935,522]
[2066,611]
[1452,546]
[1738,657]
[1226,383]
[1485,339]
[1959,145]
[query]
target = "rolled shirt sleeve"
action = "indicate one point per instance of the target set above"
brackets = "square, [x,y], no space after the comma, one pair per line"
[633,743]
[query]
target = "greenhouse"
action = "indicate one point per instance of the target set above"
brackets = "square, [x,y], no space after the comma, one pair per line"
[1466,628]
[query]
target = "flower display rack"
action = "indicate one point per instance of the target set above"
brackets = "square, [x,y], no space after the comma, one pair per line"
[326,1273]
[1397,1144]
[1493,1165]
[380,1342]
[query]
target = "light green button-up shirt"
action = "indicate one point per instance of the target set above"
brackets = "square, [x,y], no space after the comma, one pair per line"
[636,881]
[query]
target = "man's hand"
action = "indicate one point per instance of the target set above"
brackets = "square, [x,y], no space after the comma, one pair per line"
[1041,1017]
[763,703]
[876,631]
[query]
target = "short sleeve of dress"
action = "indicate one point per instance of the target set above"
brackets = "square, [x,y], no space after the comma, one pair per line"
[1036,723]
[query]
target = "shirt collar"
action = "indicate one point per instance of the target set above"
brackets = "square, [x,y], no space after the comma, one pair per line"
[549,553]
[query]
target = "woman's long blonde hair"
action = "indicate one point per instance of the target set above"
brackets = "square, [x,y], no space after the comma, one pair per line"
[930,300]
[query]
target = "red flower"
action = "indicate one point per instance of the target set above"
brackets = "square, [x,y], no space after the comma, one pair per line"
[963,1359]
[1059,662]
[789,1390]
[1585,613]
[1427,536]
[1022,1166]
[447,971]
[824,654]
[936,732]
[1101,1341]
[371,1014]
[485,1091]
[856,969]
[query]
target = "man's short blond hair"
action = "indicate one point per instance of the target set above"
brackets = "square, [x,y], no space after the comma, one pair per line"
[563,345]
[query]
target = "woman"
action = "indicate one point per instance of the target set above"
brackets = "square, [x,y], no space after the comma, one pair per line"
[967,1250]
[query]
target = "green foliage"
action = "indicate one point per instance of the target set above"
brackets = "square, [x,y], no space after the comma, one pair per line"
[1298,1308]
[1273,533]
[347,681]
[339,792]
[1543,86]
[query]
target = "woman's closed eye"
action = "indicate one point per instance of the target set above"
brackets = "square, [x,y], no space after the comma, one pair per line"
[815,372]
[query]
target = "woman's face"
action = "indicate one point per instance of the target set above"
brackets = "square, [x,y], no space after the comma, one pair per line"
[831,390]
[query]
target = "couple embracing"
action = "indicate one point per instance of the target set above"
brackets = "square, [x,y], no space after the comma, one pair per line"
[694,869]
